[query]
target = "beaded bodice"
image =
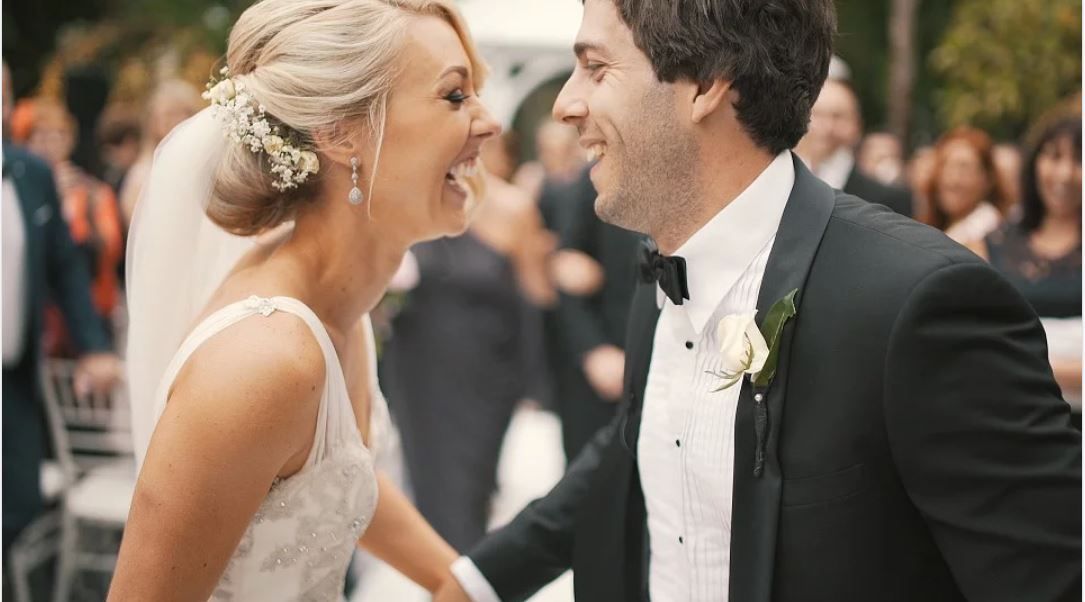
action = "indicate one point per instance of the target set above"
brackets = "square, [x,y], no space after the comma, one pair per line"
[300,541]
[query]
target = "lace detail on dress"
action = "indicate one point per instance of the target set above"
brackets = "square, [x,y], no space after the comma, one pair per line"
[299,543]
[308,526]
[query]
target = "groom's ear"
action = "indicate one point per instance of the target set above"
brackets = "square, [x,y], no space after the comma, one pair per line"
[709,97]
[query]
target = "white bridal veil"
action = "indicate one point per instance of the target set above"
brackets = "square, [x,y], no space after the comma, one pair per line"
[176,259]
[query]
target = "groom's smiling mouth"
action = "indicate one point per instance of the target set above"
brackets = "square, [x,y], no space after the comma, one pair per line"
[596,151]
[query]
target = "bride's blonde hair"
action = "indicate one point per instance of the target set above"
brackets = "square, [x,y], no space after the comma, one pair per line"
[317,66]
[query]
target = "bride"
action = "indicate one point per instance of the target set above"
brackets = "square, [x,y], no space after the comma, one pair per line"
[341,132]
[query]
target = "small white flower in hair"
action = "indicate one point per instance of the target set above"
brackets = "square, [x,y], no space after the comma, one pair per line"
[273,144]
[309,162]
[261,129]
[222,91]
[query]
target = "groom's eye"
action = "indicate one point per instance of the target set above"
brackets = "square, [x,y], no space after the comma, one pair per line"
[594,69]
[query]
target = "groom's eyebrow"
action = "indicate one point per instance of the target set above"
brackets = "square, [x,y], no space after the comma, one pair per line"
[581,48]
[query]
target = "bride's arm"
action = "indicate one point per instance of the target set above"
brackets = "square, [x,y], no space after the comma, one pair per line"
[400,537]
[241,411]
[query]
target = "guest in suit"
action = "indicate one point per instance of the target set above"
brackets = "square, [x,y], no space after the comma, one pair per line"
[591,327]
[88,205]
[1040,253]
[39,262]
[829,148]
[559,159]
[881,156]
[824,400]
[965,196]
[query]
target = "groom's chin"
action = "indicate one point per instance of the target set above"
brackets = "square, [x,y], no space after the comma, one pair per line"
[609,210]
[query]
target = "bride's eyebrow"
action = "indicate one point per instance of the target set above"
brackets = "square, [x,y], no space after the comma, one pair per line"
[456,69]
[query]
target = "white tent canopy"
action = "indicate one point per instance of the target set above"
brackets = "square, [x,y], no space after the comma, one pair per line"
[526,42]
[523,23]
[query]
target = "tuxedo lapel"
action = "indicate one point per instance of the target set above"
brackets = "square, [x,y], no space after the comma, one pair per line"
[756,499]
[638,358]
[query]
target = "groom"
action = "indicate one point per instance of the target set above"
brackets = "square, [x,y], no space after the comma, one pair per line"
[898,436]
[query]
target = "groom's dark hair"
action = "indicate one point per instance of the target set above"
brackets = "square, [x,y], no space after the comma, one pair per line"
[775,53]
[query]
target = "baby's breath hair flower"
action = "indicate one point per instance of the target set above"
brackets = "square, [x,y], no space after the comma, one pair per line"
[246,123]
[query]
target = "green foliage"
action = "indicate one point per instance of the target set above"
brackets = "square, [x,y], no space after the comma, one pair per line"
[863,42]
[1003,62]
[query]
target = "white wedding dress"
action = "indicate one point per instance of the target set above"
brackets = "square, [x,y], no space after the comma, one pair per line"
[299,543]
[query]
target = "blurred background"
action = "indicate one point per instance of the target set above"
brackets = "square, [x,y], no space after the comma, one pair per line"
[963,114]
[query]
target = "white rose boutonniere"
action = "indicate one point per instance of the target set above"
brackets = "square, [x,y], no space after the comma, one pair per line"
[747,349]
[743,348]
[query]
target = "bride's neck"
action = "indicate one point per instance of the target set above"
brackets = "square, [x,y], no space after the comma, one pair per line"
[343,264]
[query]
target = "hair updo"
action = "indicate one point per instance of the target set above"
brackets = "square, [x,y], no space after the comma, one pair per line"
[314,65]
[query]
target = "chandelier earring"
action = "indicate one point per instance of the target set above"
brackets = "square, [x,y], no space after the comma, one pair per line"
[355,196]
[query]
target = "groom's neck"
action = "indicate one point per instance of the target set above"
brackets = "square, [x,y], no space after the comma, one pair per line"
[722,177]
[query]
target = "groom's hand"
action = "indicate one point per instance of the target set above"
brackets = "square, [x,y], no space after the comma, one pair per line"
[450,591]
[604,367]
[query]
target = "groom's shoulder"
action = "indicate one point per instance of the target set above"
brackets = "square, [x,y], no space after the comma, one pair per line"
[880,235]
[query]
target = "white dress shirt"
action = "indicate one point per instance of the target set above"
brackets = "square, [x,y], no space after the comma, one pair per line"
[14,274]
[686,446]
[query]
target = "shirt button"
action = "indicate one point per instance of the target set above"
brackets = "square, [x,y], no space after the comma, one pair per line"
[677,443]
[680,540]
[689,344]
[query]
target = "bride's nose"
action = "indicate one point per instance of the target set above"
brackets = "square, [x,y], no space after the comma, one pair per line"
[485,126]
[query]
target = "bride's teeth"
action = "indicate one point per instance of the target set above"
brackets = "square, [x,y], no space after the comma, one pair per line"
[465,169]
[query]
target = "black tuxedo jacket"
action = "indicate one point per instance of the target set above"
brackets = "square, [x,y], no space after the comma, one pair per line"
[918,447]
[896,198]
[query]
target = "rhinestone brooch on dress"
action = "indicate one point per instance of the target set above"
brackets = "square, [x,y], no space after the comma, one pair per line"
[263,305]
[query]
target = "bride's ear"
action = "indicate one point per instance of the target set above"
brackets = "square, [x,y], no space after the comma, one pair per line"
[337,143]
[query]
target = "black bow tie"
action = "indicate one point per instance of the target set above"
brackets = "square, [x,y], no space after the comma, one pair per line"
[669,272]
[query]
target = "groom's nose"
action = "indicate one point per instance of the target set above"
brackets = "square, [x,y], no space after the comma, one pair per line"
[570,107]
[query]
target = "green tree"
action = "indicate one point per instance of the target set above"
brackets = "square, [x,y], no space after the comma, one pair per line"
[864,43]
[1003,62]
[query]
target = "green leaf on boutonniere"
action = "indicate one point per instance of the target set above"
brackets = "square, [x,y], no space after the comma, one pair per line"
[777,316]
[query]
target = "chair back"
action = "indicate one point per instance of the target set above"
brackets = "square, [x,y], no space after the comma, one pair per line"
[87,431]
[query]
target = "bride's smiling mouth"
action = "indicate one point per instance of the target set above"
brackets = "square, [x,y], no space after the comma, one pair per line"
[456,178]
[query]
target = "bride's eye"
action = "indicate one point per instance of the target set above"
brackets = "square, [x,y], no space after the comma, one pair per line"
[457,97]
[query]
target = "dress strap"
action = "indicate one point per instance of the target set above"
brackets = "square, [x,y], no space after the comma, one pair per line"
[335,416]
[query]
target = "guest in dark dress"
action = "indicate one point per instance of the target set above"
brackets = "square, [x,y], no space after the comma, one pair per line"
[1041,252]
[459,359]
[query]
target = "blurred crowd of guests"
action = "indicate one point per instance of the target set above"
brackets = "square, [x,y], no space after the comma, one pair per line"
[530,304]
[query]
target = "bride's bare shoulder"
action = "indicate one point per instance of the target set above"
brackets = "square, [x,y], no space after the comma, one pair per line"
[268,368]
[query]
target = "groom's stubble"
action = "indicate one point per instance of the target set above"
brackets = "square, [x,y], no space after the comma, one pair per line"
[654,185]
